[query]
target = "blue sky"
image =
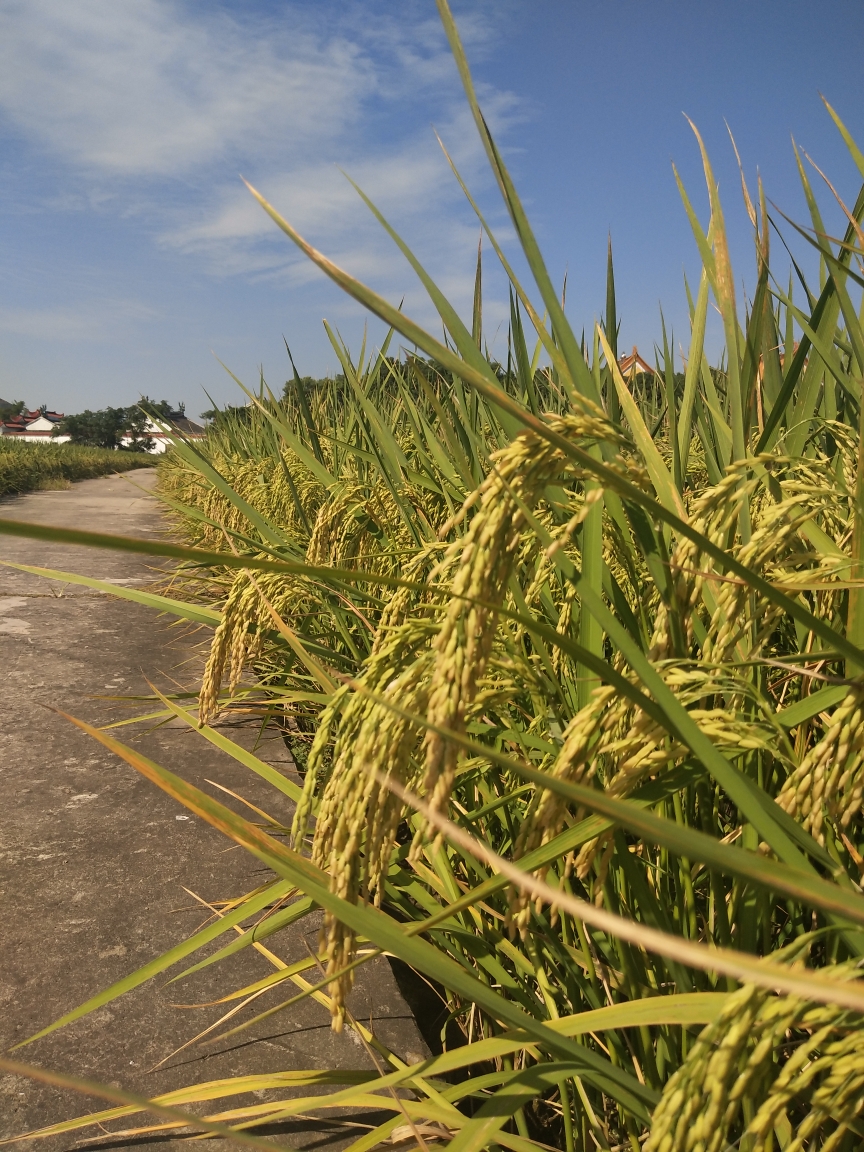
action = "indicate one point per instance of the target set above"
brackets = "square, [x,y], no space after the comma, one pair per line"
[130,252]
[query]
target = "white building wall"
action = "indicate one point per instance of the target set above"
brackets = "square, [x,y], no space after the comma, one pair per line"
[40,424]
[41,438]
[161,443]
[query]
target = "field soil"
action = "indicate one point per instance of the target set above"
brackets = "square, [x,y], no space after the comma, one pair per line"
[101,872]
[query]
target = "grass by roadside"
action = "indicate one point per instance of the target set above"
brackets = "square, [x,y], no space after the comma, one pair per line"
[31,467]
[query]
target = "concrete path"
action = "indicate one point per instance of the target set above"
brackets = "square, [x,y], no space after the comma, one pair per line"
[94,859]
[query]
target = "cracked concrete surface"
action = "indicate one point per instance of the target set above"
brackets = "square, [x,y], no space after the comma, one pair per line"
[95,862]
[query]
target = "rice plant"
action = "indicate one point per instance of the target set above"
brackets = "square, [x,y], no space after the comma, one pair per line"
[572,666]
[36,467]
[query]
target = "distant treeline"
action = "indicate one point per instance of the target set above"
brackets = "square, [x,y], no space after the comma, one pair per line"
[116,427]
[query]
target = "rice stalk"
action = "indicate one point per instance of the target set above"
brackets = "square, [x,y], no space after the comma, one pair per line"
[514,579]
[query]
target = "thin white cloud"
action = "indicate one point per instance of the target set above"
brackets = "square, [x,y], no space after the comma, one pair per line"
[153,88]
[409,181]
[412,183]
[147,110]
[160,88]
[93,322]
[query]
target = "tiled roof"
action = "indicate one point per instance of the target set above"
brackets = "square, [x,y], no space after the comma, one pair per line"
[19,425]
[178,421]
[633,363]
[25,418]
[184,424]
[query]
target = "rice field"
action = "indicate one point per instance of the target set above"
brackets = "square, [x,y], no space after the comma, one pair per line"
[571,665]
[35,467]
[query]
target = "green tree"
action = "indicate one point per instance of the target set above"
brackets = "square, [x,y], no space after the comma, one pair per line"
[239,412]
[107,428]
[160,409]
[135,431]
[310,384]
